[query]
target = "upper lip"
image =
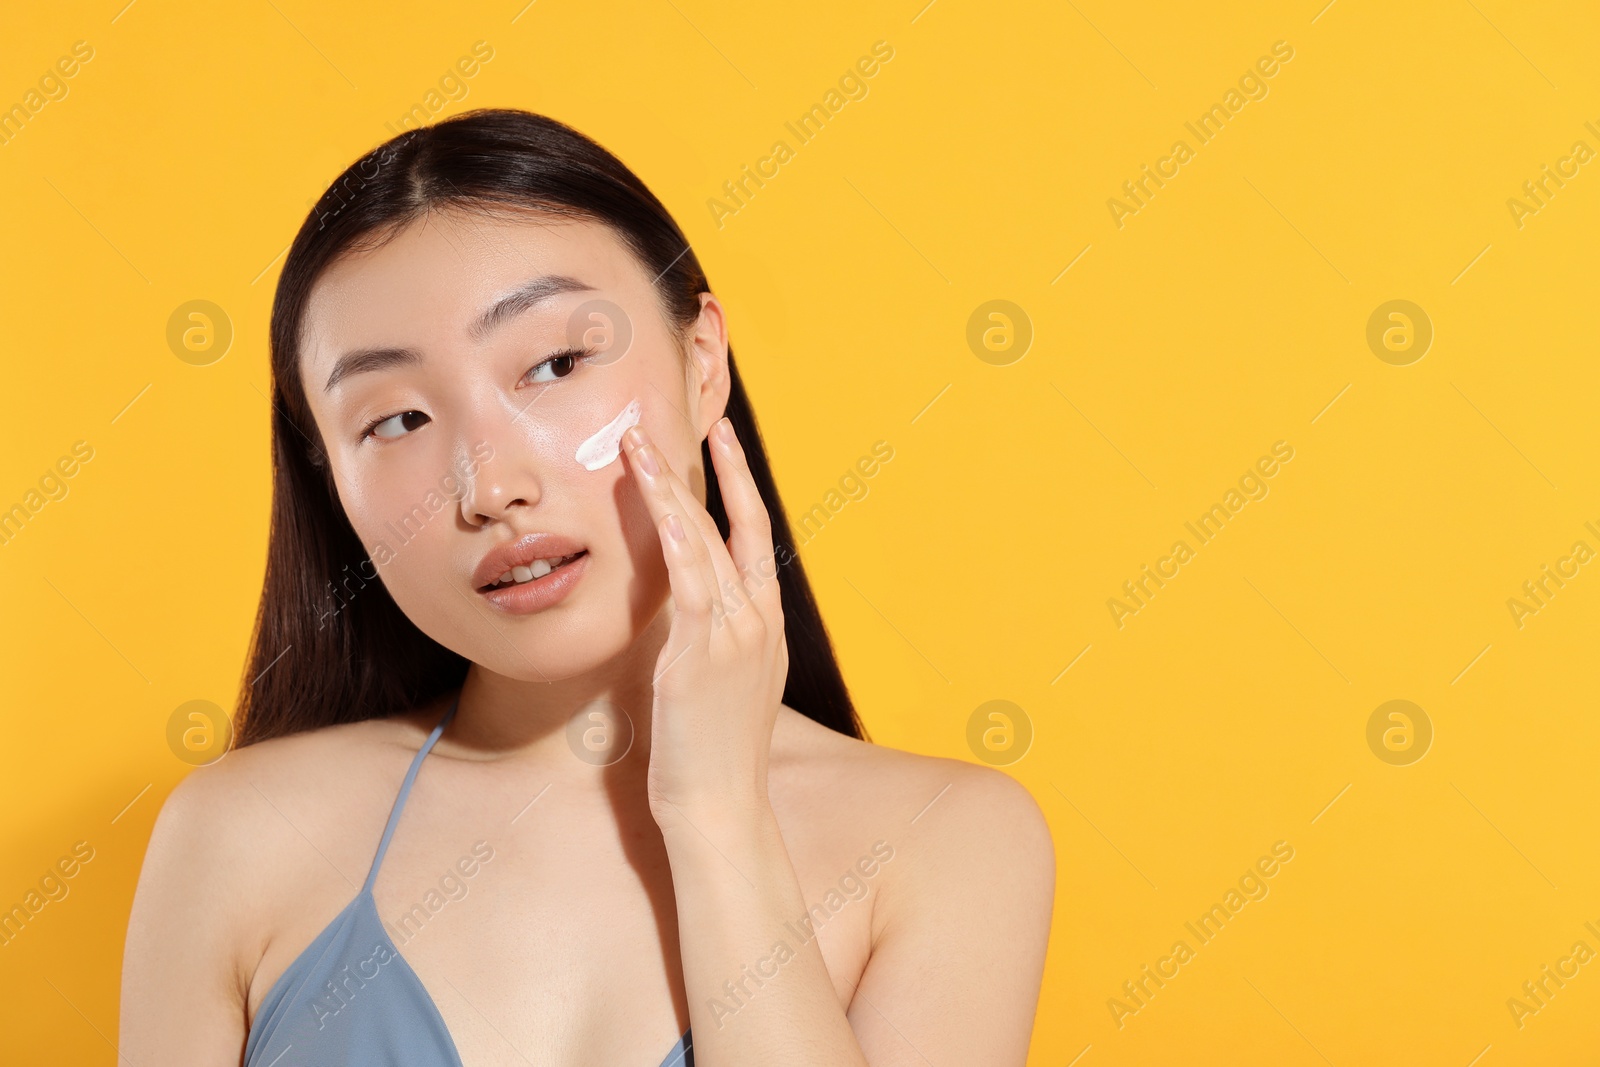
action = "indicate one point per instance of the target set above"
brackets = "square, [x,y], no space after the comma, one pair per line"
[520,553]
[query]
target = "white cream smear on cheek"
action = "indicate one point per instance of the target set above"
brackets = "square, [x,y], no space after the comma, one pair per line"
[602,447]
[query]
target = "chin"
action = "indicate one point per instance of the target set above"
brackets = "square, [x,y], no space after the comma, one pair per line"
[527,656]
[553,650]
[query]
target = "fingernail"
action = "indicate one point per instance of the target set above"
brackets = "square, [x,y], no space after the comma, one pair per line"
[725,430]
[647,461]
[674,527]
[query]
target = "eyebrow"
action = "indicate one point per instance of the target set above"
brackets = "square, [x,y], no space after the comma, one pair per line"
[520,299]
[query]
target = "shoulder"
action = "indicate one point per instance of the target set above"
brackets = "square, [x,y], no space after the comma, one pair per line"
[228,803]
[237,845]
[233,832]
[963,828]
[961,918]
[247,783]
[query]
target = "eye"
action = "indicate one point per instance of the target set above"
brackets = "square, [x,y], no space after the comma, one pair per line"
[560,365]
[395,425]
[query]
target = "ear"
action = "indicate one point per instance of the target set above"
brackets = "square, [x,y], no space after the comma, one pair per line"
[709,383]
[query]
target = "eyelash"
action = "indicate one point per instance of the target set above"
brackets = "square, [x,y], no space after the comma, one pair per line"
[574,353]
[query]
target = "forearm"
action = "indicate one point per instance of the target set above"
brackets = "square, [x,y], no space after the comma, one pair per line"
[757,986]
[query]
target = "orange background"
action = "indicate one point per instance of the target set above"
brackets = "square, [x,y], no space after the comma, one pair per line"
[1168,349]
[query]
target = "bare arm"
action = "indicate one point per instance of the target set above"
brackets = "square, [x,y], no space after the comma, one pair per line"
[956,967]
[953,977]
[757,992]
[182,992]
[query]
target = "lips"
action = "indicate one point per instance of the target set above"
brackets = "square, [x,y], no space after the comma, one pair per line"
[521,553]
[539,594]
[518,576]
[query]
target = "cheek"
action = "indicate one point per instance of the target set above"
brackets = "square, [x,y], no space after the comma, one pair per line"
[624,496]
[638,527]
[404,521]
[601,446]
[365,502]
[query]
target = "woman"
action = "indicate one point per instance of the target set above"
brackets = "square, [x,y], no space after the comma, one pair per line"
[529,584]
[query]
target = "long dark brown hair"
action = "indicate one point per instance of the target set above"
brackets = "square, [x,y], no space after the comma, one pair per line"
[320,654]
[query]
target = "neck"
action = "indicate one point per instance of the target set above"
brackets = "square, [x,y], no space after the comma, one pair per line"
[600,718]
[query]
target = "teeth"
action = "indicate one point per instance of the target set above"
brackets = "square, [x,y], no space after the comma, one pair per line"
[537,569]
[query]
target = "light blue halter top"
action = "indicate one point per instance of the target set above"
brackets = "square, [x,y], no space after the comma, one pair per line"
[351,999]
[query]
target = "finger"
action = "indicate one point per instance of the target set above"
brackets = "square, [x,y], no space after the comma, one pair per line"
[716,549]
[704,540]
[694,601]
[732,591]
[749,522]
[694,583]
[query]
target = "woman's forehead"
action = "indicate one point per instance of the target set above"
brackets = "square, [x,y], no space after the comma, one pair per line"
[432,280]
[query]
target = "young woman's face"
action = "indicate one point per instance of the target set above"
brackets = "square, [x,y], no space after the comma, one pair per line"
[452,434]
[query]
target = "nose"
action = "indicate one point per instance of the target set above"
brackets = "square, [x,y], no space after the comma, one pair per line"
[499,477]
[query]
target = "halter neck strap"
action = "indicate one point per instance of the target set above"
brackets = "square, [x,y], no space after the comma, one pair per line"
[405,791]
